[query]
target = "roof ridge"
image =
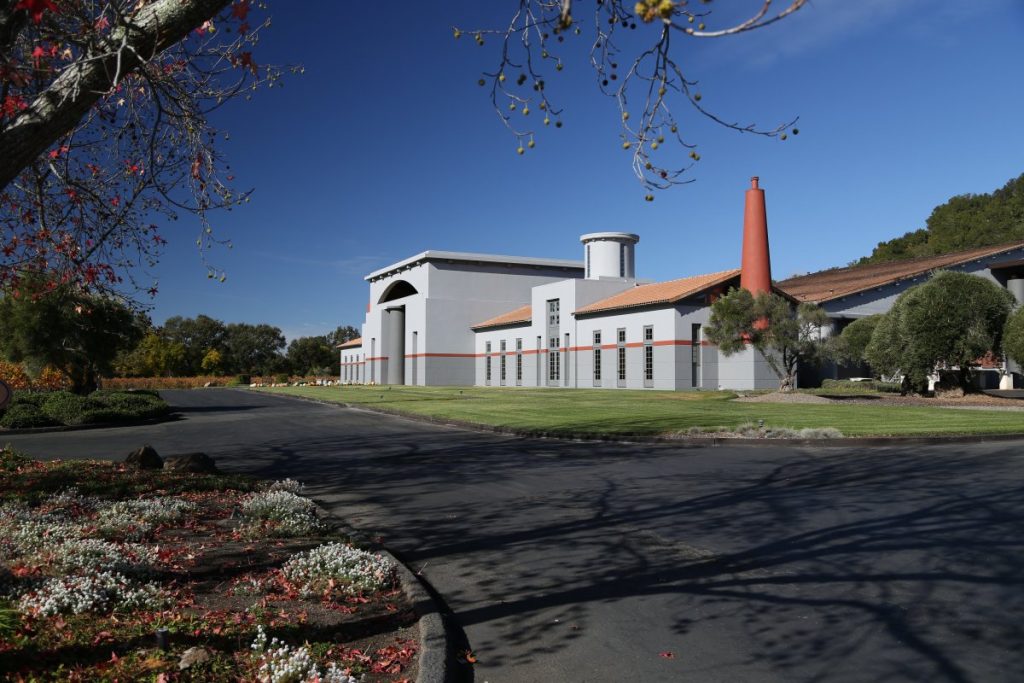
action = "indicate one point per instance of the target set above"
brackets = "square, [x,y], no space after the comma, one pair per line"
[1006,246]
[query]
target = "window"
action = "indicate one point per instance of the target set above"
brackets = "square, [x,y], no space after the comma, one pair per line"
[622,260]
[649,356]
[415,353]
[621,356]
[597,358]
[695,355]
[487,363]
[588,262]
[554,361]
[538,363]
[553,318]
[567,347]
[501,362]
[519,362]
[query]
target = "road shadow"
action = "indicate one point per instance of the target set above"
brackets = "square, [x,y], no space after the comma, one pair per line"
[872,566]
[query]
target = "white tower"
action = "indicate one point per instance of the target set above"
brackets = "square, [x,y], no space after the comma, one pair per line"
[610,254]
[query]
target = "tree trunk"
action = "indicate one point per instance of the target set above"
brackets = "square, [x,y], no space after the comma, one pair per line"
[62,105]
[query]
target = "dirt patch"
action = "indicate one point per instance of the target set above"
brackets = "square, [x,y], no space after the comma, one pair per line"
[785,397]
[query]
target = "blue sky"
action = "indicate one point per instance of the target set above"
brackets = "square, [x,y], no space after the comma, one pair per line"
[386,147]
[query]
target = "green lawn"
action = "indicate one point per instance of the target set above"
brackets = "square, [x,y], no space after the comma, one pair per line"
[606,412]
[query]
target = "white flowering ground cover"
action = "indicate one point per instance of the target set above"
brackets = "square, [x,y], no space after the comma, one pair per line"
[95,559]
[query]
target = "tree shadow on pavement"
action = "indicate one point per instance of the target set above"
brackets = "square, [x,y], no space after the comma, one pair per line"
[799,564]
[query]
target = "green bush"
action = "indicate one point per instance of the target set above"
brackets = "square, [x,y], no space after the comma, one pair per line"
[63,407]
[100,407]
[24,416]
[243,379]
[845,386]
[120,406]
[281,379]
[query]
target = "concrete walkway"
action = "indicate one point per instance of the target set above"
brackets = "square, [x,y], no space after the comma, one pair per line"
[604,562]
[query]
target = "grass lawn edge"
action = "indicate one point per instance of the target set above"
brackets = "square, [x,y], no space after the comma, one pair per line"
[681,440]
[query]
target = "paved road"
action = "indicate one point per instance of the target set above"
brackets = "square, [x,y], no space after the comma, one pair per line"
[584,562]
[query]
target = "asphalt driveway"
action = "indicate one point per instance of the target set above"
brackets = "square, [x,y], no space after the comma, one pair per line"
[602,562]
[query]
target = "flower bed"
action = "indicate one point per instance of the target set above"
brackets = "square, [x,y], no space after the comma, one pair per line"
[90,574]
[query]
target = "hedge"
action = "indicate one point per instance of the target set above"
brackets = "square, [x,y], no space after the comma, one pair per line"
[64,408]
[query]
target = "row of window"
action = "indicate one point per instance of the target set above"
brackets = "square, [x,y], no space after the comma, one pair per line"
[503,362]
[554,357]
[350,367]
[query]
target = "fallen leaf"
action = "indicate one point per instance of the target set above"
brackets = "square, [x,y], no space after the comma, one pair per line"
[667,655]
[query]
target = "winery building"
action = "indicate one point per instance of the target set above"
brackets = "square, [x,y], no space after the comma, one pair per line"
[454,318]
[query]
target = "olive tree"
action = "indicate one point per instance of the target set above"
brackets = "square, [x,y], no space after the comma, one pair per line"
[785,335]
[848,347]
[1013,336]
[946,324]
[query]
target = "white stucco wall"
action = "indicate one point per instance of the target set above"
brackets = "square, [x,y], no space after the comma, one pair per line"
[450,297]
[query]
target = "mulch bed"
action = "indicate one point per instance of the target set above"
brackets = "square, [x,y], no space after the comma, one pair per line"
[219,574]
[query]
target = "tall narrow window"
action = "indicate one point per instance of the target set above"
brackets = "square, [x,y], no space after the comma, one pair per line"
[695,355]
[554,361]
[519,362]
[588,261]
[567,347]
[622,260]
[373,363]
[415,353]
[620,340]
[501,362]
[553,316]
[487,363]
[648,356]
[597,358]
[539,364]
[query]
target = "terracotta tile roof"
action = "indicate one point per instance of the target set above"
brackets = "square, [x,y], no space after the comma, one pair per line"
[523,314]
[660,292]
[839,282]
[351,343]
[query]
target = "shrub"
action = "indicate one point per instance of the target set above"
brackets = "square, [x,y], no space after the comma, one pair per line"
[125,405]
[282,378]
[282,663]
[63,407]
[280,513]
[99,592]
[136,519]
[25,416]
[243,379]
[338,566]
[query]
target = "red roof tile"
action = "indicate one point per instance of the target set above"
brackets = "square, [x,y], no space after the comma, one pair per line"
[351,343]
[523,314]
[839,282]
[661,292]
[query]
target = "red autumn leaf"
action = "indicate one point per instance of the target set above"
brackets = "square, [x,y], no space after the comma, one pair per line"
[35,8]
[240,9]
[667,655]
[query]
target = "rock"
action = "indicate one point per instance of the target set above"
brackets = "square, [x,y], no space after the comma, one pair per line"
[193,656]
[197,463]
[145,458]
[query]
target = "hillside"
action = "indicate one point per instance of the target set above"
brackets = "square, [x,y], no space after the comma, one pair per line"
[964,222]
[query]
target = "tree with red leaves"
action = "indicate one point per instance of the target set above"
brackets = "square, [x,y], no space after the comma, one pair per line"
[104,131]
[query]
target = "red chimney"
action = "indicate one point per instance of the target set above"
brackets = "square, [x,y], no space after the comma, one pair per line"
[756,266]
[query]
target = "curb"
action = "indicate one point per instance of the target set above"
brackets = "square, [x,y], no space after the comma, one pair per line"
[684,442]
[433,661]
